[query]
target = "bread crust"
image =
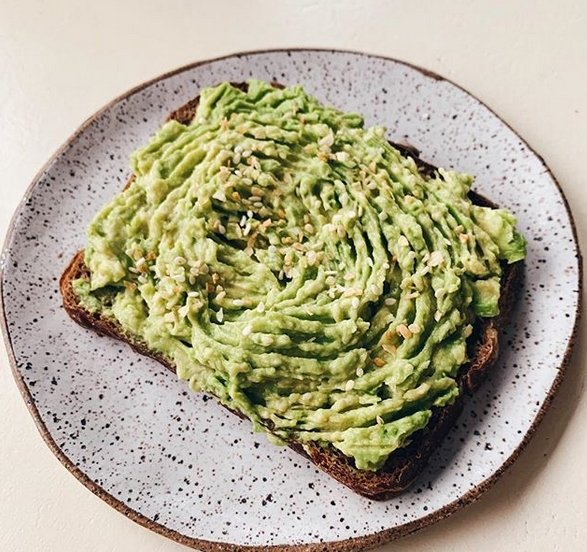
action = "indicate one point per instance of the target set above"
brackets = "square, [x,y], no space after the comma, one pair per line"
[405,464]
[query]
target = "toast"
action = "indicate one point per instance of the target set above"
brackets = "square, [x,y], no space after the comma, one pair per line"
[404,464]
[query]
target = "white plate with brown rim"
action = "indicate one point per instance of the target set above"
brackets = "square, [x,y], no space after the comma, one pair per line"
[177,462]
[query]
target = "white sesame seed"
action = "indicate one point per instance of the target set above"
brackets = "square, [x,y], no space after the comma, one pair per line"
[220,315]
[390,301]
[379,420]
[219,195]
[359,371]
[221,296]
[349,385]
[414,328]
[436,258]
[247,330]
[261,307]
[352,292]
[403,241]
[327,140]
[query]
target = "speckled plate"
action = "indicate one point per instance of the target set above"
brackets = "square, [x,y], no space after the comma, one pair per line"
[178,463]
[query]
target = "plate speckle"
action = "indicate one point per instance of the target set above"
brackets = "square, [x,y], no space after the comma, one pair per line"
[138,438]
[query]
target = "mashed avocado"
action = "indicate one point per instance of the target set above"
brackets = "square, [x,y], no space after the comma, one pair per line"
[294,264]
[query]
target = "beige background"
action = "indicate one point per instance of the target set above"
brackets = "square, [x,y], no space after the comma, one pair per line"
[62,60]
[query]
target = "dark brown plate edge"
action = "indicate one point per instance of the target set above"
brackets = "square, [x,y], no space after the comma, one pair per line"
[347,545]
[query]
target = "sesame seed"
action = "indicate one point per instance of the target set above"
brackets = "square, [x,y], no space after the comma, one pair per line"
[309,228]
[220,315]
[352,292]
[464,238]
[219,195]
[414,328]
[379,362]
[360,372]
[261,307]
[349,385]
[311,256]
[355,303]
[221,296]
[247,330]
[436,259]
[379,420]
[404,331]
[390,301]
[389,348]
[402,241]
[437,316]
[327,140]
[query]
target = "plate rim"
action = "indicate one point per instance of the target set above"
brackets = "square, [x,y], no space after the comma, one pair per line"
[346,545]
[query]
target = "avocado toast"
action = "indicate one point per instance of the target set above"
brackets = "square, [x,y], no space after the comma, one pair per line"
[329,286]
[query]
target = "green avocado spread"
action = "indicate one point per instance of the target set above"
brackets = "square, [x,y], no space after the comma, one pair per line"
[294,264]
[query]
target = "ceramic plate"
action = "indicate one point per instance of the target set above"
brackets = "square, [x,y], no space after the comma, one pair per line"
[176,461]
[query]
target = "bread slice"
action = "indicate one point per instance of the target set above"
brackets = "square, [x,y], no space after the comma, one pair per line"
[405,464]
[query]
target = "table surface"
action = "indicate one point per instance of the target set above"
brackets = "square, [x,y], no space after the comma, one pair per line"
[60,61]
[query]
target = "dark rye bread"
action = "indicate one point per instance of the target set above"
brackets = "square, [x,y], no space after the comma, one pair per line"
[403,465]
